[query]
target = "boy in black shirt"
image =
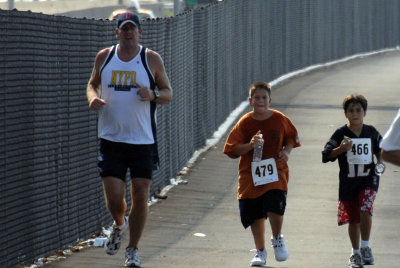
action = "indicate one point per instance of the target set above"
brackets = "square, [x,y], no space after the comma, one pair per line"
[354,145]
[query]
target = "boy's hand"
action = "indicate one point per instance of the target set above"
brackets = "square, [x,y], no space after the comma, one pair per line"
[256,139]
[346,144]
[283,156]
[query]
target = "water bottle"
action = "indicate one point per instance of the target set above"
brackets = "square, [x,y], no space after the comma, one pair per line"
[258,150]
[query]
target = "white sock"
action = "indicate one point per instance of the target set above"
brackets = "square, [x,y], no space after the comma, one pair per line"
[355,251]
[364,243]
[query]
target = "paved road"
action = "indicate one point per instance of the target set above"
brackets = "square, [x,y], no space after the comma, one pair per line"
[208,203]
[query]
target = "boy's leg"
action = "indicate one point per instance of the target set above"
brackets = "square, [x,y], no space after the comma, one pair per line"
[367,201]
[258,231]
[277,240]
[367,198]
[276,222]
[365,225]
[252,214]
[354,234]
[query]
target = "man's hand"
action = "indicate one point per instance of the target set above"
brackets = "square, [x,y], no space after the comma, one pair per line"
[96,103]
[145,93]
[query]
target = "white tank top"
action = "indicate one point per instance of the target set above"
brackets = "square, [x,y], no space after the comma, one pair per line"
[125,118]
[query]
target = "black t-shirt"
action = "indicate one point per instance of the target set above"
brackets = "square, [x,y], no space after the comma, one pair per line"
[354,177]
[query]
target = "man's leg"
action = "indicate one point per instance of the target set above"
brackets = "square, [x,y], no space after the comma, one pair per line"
[114,192]
[140,188]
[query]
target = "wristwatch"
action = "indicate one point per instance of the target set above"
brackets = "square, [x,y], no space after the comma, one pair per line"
[156,94]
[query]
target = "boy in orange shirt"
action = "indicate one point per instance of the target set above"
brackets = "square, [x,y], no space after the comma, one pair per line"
[271,174]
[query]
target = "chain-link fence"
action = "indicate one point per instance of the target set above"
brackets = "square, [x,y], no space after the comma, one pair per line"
[50,191]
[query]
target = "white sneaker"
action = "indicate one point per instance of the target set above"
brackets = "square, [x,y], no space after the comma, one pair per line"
[114,240]
[366,256]
[355,261]
[260,259]
[132,258]
[280,250]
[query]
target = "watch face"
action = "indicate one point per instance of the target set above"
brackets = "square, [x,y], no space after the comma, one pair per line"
[379,168]
[156,93]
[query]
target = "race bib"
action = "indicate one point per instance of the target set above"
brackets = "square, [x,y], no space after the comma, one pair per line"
[360,152]
[264,171]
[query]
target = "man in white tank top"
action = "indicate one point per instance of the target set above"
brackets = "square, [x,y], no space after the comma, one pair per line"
[391,142]
[126,83]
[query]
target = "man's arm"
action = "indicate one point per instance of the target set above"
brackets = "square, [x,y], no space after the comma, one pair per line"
[156,65]
[95,103]
[391,141]
[391,156]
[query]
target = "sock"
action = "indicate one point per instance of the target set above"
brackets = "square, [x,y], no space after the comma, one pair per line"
[364,243]
[355,251]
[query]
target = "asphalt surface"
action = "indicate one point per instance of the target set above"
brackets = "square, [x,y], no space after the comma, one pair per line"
[208,205]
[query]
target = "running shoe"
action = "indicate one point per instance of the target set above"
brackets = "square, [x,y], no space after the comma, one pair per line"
[355,261]
[132,258]
[280,250]
[260,259]
[366,255]
[114,240]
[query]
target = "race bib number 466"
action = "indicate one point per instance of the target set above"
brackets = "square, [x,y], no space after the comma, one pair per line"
[360,152]
[264,172]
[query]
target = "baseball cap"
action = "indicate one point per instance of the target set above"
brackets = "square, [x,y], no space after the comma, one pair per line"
[124,18]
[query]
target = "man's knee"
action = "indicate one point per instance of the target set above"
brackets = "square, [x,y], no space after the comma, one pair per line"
[140,190]
[141,196]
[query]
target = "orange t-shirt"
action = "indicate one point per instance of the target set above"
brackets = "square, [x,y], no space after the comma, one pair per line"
[277,131]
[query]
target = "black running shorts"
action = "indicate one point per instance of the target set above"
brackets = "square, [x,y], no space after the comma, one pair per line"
[116,158]
[253,209]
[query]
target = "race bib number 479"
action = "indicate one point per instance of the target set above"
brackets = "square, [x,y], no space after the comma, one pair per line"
[361,151]
[264,172]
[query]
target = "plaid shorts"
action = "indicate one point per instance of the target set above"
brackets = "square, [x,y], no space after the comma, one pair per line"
[349,210]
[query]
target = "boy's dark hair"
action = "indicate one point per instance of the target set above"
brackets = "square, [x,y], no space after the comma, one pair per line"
[355,98]
[261,85]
